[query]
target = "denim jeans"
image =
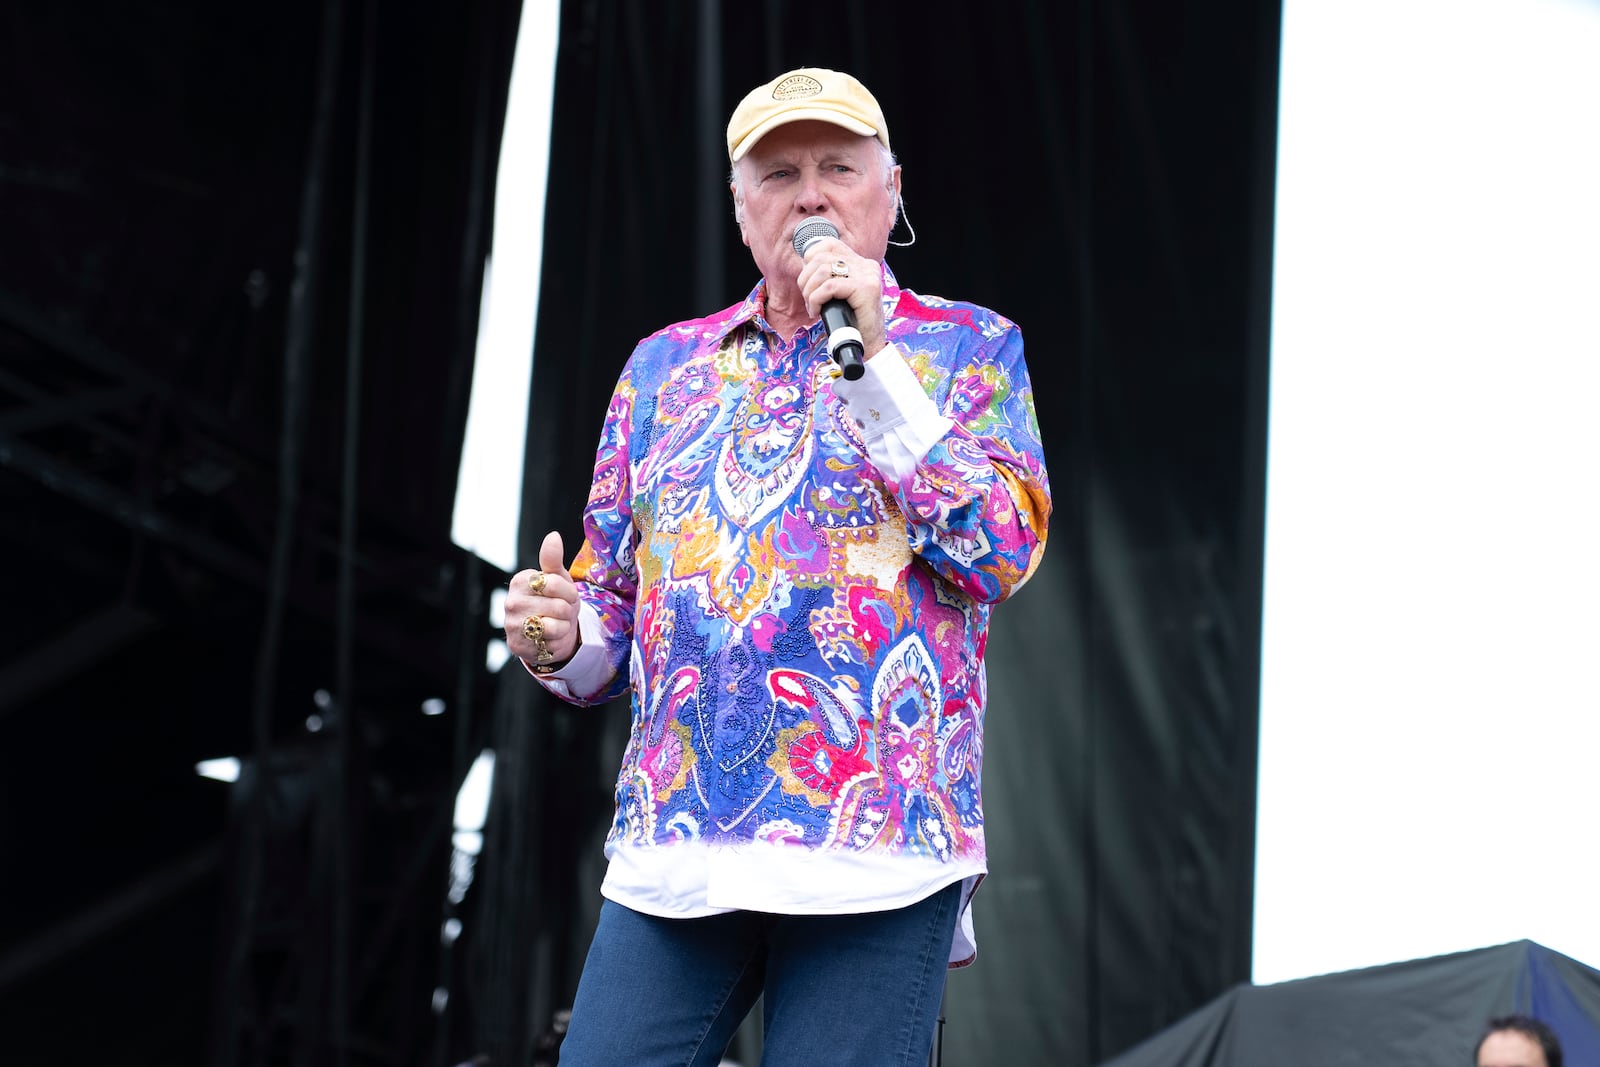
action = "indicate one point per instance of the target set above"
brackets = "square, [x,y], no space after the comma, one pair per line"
[836,990]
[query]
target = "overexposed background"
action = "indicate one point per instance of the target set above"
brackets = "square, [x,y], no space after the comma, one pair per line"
[489,492]
[1430,689]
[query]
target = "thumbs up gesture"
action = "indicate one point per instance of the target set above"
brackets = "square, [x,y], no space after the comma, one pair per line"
[542,611]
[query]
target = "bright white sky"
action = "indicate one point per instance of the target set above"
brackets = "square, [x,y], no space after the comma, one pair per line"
[489,493]
[1430,690]
[1430,735]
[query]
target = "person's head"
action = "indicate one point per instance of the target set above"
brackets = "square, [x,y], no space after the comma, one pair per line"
[1518,1041]
[811,142]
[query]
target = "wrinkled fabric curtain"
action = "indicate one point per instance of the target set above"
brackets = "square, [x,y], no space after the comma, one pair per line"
[1101,173]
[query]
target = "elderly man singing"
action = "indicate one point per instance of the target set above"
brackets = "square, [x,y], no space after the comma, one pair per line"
[804,509]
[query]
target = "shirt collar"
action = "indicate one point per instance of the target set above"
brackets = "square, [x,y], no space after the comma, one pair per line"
[751,309]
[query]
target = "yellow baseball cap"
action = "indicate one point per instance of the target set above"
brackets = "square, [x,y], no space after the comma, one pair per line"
[807,93]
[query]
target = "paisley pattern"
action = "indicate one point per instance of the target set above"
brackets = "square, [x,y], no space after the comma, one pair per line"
[802,637]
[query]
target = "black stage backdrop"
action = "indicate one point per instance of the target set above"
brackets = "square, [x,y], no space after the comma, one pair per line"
[1101,172]
[240,269]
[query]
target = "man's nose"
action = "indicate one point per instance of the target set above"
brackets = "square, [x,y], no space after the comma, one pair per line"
[811,196]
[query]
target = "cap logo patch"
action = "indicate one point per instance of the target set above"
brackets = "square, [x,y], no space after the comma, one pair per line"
[796,88]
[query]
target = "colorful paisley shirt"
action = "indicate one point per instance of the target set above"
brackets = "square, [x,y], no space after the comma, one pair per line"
[792,576]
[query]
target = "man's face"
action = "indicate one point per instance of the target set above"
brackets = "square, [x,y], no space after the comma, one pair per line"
[1509,1048]
[814,168]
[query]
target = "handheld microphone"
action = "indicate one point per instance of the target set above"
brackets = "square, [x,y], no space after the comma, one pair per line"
[844,340]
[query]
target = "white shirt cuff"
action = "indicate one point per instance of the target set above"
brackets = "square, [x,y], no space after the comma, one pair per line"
[899,421]
[589,670]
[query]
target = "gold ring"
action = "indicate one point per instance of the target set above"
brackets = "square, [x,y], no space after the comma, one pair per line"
[840,269]
[533,629]
[536,583]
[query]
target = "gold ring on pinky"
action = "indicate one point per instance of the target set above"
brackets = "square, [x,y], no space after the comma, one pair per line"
[840,269]
[536,583]
[533,629]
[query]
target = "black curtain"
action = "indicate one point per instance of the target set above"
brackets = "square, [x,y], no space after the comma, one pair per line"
[240,257]
[1102,173]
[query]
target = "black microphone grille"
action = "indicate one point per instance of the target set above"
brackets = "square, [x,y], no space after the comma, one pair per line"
[813,229]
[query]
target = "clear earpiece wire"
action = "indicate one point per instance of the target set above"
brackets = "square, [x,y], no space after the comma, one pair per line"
[901,205]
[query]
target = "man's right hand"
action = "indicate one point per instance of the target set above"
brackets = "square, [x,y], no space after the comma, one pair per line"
[541,610]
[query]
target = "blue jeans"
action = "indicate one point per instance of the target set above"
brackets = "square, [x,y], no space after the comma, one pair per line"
[836,989]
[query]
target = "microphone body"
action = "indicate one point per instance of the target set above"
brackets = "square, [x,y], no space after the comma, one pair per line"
[844,340]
